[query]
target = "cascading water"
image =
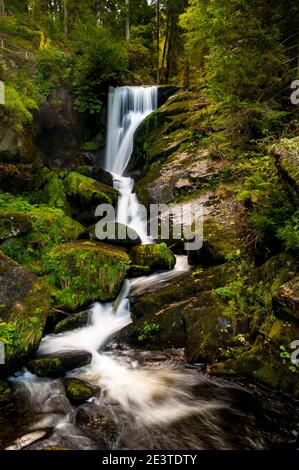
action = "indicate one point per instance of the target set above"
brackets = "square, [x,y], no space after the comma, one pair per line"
[127,108]
[142,404]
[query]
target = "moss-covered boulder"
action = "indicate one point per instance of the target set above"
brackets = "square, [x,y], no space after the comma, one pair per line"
[5,392]
[72,322]
[85,194]
[114,233]
[85,272]
[13,224]
[155,257]
[54,195]
[24,305]
[286,299]
[286,154]
[57,365]
[88,190]
[78,391]
[49,228]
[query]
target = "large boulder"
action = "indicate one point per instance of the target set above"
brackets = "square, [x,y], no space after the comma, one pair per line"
[85,194]
[85,272]
[24,305]
[155,257]
[17,147]
[286,154]
[114,233]
[57,365]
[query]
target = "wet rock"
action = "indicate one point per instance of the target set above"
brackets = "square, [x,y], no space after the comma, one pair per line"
[78,391]
[286,299]
[16,178]
[5,392]
[115,233]
[17,147]
[138,271]
[57,365]
[85,272]
[97,422]
[27,440]
[13,224]
[24,305]
[77,320]
[155,257]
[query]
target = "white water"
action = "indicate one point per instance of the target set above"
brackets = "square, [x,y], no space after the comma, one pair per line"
[127,108]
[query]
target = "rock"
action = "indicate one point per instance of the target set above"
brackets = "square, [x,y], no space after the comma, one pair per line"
[97,421]
[77,320]
[54,195]
[50,227]
[156,257]
[57,365]
[61,126]
[85,272]
[138,271]
[78,391]
[165,92]
[16,178]
[5,392]
[85,194]
[13,224]
[115,233]
[17,147]
[97,173]
[24,305]
[286,156]
[286,299]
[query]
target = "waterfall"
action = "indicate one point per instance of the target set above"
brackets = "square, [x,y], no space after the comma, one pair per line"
[127,108]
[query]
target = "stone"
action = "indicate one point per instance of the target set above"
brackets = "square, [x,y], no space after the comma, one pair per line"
[13,224]
[57,365]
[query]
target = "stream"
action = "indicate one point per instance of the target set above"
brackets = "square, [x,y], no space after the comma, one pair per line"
[146,400]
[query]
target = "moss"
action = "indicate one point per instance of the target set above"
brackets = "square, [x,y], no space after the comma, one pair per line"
[58,365]
[156,257]
[286,154]
[78,391]
[88,190]
[13,224]
[85,272]
[54,195]
[50,227]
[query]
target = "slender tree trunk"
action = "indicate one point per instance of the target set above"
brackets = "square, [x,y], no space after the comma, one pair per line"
[158,42]
[2,7]
[65,19]
[128,20]
[166,45]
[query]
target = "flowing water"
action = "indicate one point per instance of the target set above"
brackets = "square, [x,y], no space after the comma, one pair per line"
[145,400]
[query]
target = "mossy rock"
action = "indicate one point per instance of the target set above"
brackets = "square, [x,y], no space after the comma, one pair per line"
[49,227]
[85,272]
[16,178]
[72,322]
[114,233]
[57,365]
[156,257]
[88,190]
[24,305]
[13,224]
[286,299]
[5,392]
[54,195]
[78,391]
[286,154]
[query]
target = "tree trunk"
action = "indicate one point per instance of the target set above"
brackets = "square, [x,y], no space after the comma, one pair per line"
[158,42]
[65,19]
[128,20]
[2,7]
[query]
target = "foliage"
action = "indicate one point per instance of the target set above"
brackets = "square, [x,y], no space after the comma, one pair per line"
[147,330]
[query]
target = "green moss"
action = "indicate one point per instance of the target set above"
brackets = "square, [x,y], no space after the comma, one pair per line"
[78,391]
[85,272]
[156,257]
[54,195]
[13,224]
[5,392]
[50,227]
[88,190]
